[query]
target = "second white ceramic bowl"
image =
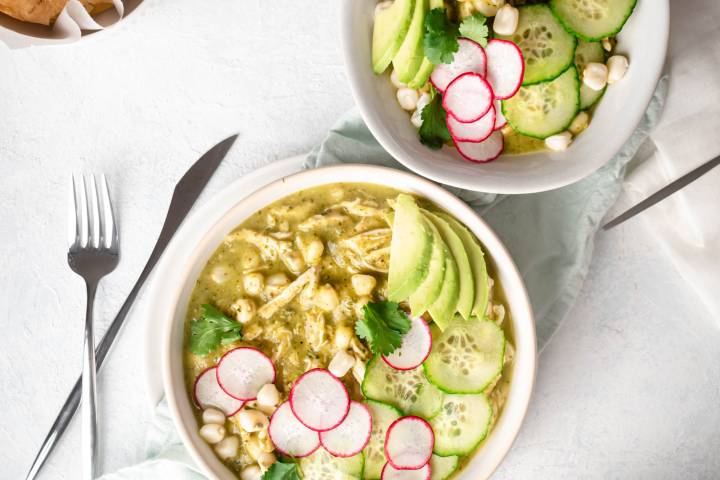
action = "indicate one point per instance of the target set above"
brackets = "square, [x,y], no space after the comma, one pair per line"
[644,41]
[178,282]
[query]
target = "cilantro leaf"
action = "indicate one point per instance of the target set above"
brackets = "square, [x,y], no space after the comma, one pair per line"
[475,28]
[212,329]
[282,471]
[433,131]
[382,326]
[440,40]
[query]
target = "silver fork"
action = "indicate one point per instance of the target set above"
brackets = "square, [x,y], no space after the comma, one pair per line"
[93,253]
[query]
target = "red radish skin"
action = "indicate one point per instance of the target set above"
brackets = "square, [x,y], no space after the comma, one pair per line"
[207,393]
[239,377]
[355,430]
[500,120]
[415,438]
[415,347]
[470,57]
[468,97]
[319,400]
[482,152]
[506,68]
[391,473]
[476,131]
[290,437]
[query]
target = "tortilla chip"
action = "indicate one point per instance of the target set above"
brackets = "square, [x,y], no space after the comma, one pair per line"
[43,12]
[96,6]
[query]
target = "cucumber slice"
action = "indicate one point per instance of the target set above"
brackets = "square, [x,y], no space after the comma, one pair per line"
[593,20]
[547,48]
[407,390]
[545,109]
[466,357]
[585,53]
[323,466]
[443,467]
[382,415]
[461,425]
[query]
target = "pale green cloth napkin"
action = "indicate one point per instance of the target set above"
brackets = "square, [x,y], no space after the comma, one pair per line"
[550,236]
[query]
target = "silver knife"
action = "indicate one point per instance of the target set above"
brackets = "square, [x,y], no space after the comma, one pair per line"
[664,192]
[186,191]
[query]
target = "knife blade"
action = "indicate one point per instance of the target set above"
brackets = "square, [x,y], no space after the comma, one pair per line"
[185,194]
[664,192]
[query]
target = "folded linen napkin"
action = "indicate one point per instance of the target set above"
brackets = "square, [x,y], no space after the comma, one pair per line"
[549,234]
[687,224]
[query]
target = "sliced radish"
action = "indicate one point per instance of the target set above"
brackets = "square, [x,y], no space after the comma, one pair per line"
[415,347]
[470,57]
[289,436]
[500,120]
[319,400]
[351,436]
[485,151]
[468,97]
[506,67]
[391,473]
[209,394]
[476,131]
[409,443]
[242,371]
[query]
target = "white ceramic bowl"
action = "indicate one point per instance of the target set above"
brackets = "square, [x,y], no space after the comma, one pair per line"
[177,289]
[643,40]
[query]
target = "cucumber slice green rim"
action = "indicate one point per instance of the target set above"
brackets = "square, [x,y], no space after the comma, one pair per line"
[547,48]
[577,22]
[462,424]
[466,357]
[442,467]
[383,415]
[544,109]
[585,53]
[408,390]
[321,465]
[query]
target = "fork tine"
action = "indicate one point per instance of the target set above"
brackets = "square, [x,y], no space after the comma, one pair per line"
[84,231]
[74,237]
[111,232]
[94,221]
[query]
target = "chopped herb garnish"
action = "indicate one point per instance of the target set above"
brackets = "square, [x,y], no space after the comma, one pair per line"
[433,131]
[440,40]
[475,28]
[382,326]
[282,471]
[211,330]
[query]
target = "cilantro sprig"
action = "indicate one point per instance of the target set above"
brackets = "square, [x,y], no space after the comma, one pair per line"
[382,326]
[434,131]
[475,28]
[282,471]
[440,40]
[212,329]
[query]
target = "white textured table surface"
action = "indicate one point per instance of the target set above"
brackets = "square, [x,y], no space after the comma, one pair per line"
[629,388]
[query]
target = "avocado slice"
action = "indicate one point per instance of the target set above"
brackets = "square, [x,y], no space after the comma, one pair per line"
[408,59]
[410,249]
[477,264]
[466,296]
[443,309]
[429,290]
[391,26]
[426,66]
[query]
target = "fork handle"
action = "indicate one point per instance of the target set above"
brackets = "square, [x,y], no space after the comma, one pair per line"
[88,411]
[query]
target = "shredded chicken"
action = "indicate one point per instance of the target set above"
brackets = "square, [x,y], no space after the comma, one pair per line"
[286,295]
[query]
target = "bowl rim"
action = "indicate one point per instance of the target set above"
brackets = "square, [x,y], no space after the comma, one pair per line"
[373,118]
[172,305]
